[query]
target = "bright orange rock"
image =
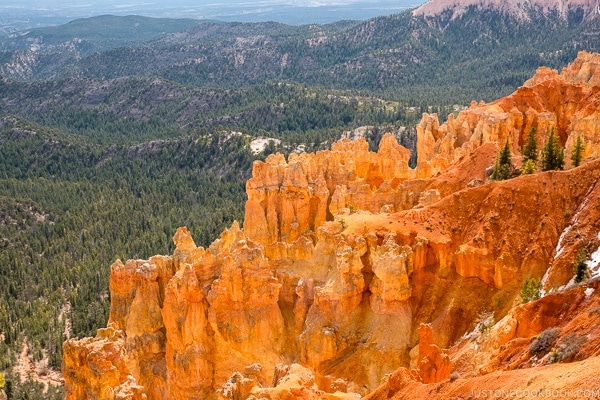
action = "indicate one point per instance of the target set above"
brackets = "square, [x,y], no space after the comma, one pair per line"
[434,364]
[289,199]
[567,103]
[98,368]
[346,252]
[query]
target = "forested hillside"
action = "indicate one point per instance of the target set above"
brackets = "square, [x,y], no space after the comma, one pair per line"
[132,109]
[70,209]
[97,33]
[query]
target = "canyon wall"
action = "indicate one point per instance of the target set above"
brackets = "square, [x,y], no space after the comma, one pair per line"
[351,264]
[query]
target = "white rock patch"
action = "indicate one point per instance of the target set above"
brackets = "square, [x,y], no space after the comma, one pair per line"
[259,144]
[594,264]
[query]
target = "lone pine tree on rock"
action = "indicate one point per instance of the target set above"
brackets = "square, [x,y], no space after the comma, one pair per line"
[530,147]
[503,165]
[577,153]
[553,156]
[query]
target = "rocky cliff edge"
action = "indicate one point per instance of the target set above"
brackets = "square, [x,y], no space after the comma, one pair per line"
[353,271]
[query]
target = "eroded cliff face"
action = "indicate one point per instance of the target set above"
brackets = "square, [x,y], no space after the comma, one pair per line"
[546,348]
[351,264]
[567,103]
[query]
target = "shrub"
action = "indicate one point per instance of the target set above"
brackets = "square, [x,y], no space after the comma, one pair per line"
[553,357]
[544,341]
[485,320]
[528,167]
[531,290]
[580,267]
[568,347]
[454,376]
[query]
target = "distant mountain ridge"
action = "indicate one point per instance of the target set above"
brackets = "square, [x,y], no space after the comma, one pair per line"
[520,8]
[486,48]
[97,33]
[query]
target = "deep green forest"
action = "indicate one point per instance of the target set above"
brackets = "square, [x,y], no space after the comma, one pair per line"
[69,210]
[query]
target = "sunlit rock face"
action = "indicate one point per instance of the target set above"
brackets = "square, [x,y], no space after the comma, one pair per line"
[352,266]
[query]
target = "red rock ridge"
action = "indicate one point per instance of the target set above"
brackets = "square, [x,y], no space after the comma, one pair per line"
[568,102]
[346,253]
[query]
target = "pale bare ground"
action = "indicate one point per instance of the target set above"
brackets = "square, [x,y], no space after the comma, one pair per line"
[63,317]
[39,372]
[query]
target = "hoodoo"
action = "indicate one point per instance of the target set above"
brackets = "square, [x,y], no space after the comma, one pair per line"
[357,275]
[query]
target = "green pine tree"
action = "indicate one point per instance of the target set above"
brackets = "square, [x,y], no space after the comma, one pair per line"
[553,156]
[503,165]
[531,290]
[581,271]
[530,148]
[577,153]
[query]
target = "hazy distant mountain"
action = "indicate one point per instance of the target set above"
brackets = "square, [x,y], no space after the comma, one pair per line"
[97,33]
[420,58]
[526,9]
[26,14]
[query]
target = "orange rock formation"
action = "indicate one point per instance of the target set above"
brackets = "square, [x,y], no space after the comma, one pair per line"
[499,363]
[345,253]
[567,103]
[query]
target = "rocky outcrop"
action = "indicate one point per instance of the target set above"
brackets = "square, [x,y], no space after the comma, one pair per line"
[179,323]
[346,253]
[288,199]
[567,103]
[97,368]
[549,347]
[289,382]
[434,365]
